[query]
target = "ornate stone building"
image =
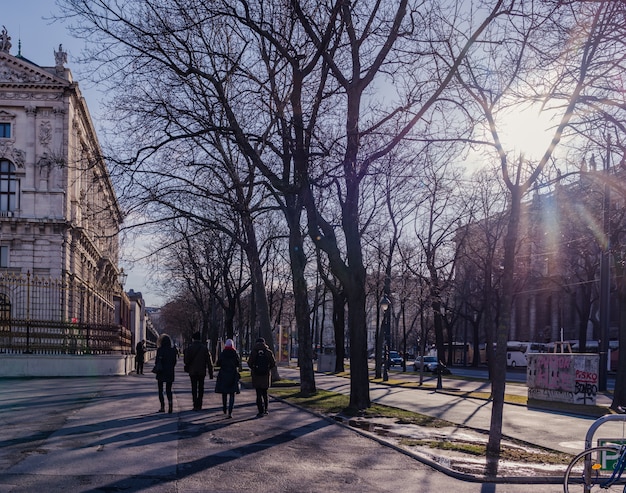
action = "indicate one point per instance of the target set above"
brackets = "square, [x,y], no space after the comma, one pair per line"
[59,216]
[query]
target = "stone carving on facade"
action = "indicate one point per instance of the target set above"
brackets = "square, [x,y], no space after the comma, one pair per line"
[49,160]
[45,133]
[16,156]
[5,40]
[9,74]
[11,95]
[5,116]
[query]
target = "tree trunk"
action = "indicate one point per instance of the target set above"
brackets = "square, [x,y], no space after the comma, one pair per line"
[339,324]
[359,372]
[619,394]
[262,311]
[438,321]
[498,379]
[301,302]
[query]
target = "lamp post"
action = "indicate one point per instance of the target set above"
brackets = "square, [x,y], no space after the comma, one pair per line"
[121,278]
[384,305]
[605,276]
[28,350]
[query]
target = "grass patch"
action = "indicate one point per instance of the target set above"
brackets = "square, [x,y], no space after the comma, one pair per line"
[326,402]
[321,401]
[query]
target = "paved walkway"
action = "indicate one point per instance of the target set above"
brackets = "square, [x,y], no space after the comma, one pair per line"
[103,434]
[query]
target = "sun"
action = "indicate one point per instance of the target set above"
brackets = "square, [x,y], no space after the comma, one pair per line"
[526,130]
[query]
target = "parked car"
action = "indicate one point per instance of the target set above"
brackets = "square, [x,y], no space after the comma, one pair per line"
[395,358]
[428,363]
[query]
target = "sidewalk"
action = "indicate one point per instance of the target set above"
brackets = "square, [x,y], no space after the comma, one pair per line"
[103,434]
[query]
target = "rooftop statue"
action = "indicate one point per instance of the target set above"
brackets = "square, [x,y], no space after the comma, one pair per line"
[60,58]
[5,40]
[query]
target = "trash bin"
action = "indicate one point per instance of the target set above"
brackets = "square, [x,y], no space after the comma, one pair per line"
[326,360]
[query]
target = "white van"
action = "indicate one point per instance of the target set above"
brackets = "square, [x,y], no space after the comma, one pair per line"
[515,357]
[516,352]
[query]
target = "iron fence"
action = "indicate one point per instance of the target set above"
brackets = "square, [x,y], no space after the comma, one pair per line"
[50,316]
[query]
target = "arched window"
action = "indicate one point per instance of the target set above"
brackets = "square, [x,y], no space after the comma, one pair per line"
[8,186]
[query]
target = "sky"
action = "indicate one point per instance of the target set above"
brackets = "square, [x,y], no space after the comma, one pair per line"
[29,23]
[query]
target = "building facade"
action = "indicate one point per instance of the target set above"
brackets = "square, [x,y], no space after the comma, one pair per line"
[563,235]
[59,215]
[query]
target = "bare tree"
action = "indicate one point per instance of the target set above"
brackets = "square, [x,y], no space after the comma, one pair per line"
[274,79]
[439,211]
[538,64]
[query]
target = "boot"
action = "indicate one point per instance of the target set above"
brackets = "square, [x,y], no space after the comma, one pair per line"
[162,408]
[169,407]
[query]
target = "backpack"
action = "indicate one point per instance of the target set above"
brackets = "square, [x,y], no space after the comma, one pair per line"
[262,363]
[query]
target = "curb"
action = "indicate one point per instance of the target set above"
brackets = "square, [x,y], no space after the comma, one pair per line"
[344,421]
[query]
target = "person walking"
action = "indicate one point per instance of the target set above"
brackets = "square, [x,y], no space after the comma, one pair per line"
[227,382]
[197,360]
[261,362]
[165,362]
[140,354]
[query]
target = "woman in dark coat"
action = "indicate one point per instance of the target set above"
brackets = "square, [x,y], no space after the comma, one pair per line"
[166,356]
[227,382]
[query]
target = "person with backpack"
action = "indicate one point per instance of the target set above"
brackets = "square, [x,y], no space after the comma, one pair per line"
[261,361]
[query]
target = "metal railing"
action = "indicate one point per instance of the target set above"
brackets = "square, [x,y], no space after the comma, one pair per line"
[45,337]
[51,316]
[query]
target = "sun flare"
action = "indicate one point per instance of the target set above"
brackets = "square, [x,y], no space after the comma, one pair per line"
[527,131]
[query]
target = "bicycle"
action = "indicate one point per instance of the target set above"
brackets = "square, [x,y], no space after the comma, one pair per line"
[597,469]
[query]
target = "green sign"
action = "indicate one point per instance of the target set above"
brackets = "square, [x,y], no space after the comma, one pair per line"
[607,459]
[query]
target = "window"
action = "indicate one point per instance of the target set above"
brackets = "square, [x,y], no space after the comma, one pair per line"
[5,130]
[8,186]
[4,256]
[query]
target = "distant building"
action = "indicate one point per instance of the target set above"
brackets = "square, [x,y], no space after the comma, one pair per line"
[59,216]
[141,320]
[558,262]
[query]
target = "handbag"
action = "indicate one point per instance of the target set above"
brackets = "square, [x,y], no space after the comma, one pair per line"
[158,365]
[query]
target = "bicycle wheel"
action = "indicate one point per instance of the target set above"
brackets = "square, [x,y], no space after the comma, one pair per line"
[591,471]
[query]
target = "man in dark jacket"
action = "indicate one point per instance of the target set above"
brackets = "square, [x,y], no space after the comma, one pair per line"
[261,362]
[140,354]
[197,360]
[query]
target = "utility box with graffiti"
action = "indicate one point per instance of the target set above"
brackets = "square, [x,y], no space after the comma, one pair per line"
[563,377]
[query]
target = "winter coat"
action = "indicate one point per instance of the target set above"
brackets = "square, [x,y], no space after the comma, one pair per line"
[228,377]
[140,351]
[168,357]
[261,381]
[197,359]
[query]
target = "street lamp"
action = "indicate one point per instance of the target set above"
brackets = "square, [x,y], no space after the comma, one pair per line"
[385,303]
[121,278]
